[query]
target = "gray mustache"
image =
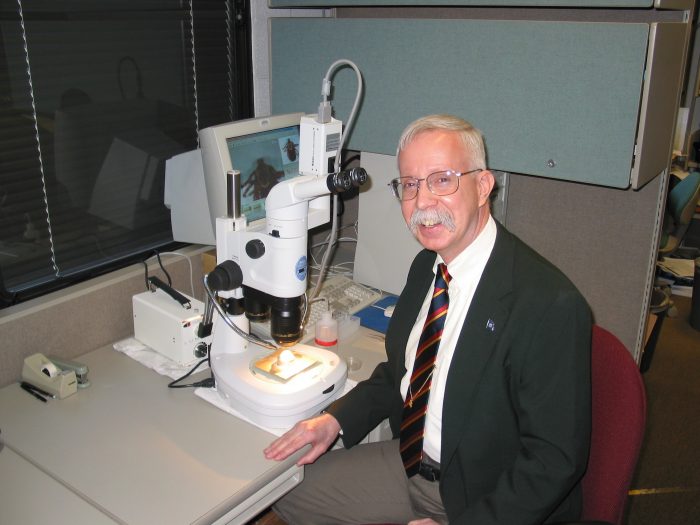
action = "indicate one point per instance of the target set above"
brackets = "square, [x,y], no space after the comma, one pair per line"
[433,215]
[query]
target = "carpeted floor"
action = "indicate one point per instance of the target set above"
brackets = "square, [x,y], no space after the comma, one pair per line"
[666,486]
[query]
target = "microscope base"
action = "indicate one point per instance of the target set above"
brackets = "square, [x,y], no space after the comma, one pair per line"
[273,404]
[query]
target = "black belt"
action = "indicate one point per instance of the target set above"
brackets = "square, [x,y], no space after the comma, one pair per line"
[429,470]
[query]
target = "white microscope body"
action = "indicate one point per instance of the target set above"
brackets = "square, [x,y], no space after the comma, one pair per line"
[273,274]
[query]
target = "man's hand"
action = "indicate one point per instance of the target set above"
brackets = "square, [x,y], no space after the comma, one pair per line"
[424,521]
[319,432]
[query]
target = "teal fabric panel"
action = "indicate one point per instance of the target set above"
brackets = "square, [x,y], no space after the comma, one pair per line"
[565,92]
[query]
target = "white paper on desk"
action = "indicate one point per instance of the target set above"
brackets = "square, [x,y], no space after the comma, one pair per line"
[212,396]
[153,360]
[679,267]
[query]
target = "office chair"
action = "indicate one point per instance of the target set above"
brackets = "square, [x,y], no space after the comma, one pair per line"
[617,428]
[618,402]
[680,207]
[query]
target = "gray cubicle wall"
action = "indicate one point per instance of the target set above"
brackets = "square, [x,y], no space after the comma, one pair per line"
[602,238]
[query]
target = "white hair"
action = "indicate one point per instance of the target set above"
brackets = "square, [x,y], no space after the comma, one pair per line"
[471,137]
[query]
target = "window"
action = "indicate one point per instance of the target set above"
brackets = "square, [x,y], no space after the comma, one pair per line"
[95,95]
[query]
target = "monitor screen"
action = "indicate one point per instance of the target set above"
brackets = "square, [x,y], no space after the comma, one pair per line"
[264,159]
[265,151]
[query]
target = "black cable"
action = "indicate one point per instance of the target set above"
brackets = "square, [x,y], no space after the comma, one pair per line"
[160,263]
[145,266]
[341,206]
[206,383]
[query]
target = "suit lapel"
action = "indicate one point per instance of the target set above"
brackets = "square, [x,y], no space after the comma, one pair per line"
[482,327]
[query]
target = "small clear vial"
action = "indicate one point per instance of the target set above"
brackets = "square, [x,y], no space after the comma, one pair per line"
[327,330]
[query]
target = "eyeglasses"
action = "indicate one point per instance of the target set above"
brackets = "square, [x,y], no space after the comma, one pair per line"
[439,183]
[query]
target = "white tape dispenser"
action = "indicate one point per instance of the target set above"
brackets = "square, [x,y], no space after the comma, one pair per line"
[40,371]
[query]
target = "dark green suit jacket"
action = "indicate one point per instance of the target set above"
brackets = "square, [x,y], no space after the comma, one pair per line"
[516,413]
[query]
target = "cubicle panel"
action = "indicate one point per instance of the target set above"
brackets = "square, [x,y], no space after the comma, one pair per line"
[674,4]
[660,100]
[480,3]
[554,99]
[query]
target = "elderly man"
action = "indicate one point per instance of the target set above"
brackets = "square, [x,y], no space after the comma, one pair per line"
[487,378]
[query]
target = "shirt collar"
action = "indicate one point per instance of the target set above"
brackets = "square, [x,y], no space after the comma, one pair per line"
[474,256]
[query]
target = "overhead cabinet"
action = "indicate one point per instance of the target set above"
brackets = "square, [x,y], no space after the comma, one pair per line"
[589,101]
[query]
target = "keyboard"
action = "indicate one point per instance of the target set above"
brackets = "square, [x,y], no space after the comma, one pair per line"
[344,296]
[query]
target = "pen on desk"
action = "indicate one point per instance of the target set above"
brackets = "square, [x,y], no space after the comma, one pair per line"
[32,392]
[38,390]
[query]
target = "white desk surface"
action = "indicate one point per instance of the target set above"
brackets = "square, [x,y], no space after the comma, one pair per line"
[25,489]
[365,345]
[143,453]
[127,449]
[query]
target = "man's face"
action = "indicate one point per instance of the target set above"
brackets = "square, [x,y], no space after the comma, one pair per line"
[437,150]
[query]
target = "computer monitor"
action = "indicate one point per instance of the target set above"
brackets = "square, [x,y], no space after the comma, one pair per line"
[265,151]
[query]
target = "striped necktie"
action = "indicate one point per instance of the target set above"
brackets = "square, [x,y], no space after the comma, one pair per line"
[416,402]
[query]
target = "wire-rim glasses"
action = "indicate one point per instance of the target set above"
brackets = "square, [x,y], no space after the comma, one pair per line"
[440,183]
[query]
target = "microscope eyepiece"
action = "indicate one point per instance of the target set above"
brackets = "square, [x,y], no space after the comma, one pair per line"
[338,182]
[358,176]
[354,177]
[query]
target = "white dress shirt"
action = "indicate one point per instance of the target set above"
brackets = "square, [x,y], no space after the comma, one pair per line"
[465,270]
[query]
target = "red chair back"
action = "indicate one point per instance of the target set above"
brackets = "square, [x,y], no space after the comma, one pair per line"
[618,419]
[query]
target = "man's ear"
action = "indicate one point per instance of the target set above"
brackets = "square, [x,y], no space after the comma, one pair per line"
[485,182]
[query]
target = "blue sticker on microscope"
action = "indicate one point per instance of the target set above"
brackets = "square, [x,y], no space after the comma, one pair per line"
[301,268]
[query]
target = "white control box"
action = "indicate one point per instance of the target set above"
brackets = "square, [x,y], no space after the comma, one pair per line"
[163,324]
[318,145]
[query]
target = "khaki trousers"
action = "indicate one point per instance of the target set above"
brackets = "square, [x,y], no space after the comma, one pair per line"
[363,485]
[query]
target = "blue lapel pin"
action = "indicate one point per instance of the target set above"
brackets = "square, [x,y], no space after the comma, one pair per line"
[490,325]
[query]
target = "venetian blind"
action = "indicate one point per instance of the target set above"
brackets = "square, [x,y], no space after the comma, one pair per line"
[94,97]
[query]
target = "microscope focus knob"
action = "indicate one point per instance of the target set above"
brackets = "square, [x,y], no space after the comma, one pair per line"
[201,349]
[226,276]
[255,249]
